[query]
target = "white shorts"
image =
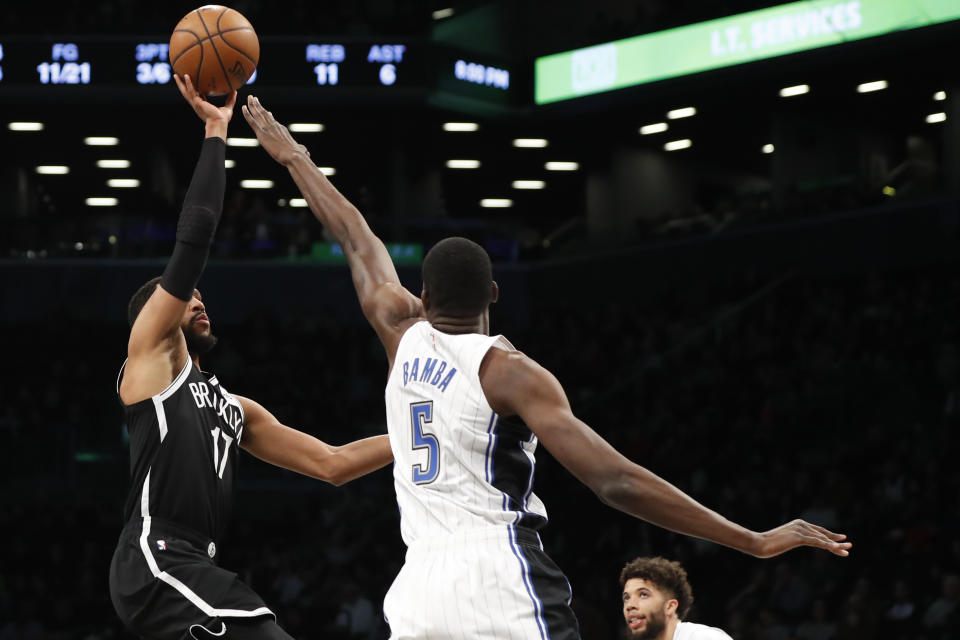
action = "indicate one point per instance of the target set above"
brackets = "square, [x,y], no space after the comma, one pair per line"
[491,584]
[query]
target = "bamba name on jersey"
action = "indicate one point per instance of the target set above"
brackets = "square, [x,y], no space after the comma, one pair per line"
[204,397]
[432,372]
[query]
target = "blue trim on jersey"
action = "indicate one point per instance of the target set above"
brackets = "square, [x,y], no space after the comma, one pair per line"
[491,439]
[525,569]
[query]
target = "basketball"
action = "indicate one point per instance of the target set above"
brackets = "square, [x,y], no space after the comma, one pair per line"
[217,47]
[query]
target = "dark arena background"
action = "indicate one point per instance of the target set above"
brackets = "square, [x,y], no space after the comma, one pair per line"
[735,244]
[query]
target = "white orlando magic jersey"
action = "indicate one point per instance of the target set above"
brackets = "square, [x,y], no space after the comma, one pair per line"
[458,466]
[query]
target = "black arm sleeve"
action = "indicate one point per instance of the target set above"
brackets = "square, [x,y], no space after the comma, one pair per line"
[198,221]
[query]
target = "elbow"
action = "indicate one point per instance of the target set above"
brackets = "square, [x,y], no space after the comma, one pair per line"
[617,488]
[332,469]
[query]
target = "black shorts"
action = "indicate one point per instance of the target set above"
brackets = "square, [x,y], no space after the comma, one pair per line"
[163,581]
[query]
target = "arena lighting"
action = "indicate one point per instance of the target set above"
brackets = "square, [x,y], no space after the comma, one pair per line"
[297,202]
[101,141]
[529,184]
[123,183]
[676,145]
[256,184]
[113,164]
[440,14]
[934,118]
[727,42]
[229,164]
[53,169]
[562,166]
[243,142]
[685,112]
[768,148]
[796,90]
[496,203]
[463,164]
[101,202]
[25,126]
[305,127]
[656,127]
[327,171]
[940,96]
[460,126]
[530,143]
[867,87]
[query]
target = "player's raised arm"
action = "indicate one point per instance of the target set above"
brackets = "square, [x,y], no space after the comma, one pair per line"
[156,349]
[385,302]
[516,385]
[265,437]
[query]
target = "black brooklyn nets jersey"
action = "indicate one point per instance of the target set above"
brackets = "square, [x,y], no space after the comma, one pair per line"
[183,453]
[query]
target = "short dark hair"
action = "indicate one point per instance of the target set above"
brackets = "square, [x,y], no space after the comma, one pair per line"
[668,575]
[140,298]
[457,275]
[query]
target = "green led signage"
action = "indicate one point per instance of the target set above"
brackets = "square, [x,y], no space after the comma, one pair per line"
[757,35]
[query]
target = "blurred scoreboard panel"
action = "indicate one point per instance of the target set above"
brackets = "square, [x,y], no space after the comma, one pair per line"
[368,71]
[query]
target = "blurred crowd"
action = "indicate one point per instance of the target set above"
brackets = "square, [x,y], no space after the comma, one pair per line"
[835,399]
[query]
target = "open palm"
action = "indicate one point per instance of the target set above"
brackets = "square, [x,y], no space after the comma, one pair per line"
[205,110]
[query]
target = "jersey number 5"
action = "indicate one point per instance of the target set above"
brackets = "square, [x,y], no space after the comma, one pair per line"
[421,413]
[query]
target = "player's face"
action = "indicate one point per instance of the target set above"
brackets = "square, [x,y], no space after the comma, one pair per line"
[645,609]
[196,326]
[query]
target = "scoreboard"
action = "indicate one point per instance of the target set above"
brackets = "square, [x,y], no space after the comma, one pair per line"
[323,68]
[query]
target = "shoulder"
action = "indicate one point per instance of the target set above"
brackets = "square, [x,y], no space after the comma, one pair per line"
[694,631]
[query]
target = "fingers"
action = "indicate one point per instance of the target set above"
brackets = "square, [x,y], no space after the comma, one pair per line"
[231,101]
[818,536]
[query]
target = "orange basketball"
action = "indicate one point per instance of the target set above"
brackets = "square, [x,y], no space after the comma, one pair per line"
[217,47]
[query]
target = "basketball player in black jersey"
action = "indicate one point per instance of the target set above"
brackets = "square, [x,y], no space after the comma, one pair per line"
[457,291]
[185,430]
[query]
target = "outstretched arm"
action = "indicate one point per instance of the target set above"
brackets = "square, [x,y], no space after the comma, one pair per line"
[156,349]
[386,304]
[272,442]
[516,385]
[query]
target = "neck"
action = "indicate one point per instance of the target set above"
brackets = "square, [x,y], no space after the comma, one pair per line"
[455,325]
[670,629]
[196,359]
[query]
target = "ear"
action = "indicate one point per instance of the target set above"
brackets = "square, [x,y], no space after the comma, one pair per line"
[494,291]
[425,299]
[670,608]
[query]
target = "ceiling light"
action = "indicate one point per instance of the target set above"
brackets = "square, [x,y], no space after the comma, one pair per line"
[796,90]
[676,145]
[53,169]
[298,202]
[463,164]
[460,126]
[529,184]
[256,184]
[242,142]
[562,166]
[123,183]
[496,203]
[327,171]
[939,96]
[229,164]
[934,118]
[101,141]
[440,14]
[113,164]
[25,126]
[867,87]
[101,202]
[305,127]
[685,112]
[768,148]
[530,143]
[657,127]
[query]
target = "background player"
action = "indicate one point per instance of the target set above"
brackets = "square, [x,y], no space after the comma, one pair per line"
[475,566]
[656,599]
[185,429]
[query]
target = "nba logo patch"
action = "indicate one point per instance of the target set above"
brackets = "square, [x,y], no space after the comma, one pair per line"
[162,545]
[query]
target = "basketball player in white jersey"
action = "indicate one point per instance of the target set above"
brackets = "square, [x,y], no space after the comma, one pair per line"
[475,567]
[656,599]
